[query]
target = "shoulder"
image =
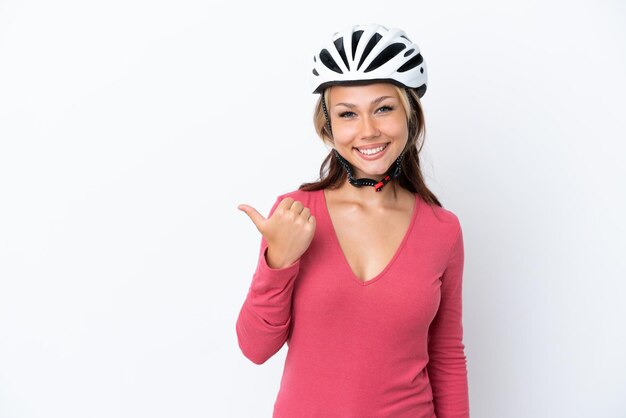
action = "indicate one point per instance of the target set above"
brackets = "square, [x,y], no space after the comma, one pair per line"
[441,221]
[444,216]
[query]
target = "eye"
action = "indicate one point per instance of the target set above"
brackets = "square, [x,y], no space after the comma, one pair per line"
[385,109]
[346,114]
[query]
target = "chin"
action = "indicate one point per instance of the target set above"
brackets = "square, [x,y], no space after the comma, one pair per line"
[372,174]
[374,169]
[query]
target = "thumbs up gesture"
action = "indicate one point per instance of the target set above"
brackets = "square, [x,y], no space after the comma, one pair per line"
[288,232]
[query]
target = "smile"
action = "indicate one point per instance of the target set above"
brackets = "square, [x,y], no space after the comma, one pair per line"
[372,151]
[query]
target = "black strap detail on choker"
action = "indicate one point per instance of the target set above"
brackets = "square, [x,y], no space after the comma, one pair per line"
[378,185]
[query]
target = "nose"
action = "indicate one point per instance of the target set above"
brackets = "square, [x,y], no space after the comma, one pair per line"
[369,128]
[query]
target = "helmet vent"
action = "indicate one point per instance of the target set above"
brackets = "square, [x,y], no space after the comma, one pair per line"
[342,51]
[315,72]
[385,55]
[329,62]
[355,41]
[407,53]
[412,63]
[368,48]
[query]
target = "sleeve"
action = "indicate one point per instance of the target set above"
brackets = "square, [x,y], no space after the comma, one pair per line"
[263,322]
[447,366]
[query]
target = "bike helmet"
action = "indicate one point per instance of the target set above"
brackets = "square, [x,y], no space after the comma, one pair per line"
[369,53]
[365,54]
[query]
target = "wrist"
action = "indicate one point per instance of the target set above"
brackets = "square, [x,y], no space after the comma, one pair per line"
[275,261]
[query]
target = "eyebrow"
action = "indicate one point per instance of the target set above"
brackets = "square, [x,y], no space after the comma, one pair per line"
[375,101]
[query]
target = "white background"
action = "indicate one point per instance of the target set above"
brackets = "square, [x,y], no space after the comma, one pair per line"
[131,130]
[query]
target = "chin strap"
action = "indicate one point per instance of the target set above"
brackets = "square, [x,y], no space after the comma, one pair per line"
[395,170]
[378,185]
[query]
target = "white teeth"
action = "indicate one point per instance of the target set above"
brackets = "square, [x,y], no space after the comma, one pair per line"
[372,151]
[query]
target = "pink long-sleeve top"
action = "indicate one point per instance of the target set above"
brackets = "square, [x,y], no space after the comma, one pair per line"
[389,347]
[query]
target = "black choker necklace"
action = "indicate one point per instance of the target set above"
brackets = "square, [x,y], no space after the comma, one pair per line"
[378,185]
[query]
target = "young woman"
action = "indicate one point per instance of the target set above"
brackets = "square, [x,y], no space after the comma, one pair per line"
[361,272]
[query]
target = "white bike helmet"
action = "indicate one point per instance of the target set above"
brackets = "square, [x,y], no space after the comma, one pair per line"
[369,53]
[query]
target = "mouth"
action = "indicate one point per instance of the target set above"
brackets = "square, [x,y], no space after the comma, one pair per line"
[372,150]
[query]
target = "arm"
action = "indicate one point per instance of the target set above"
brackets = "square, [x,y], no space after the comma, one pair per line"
[263,322]
[447,368]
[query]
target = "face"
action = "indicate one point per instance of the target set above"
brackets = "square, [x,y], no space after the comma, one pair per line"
[368,118]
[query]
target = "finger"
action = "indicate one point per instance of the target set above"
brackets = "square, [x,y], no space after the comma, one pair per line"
[253,214]
[285,204]
[297,207]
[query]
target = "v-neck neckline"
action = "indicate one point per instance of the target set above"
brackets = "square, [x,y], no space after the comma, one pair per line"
[393,258]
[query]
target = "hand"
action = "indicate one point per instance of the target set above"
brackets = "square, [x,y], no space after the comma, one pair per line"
[288,232]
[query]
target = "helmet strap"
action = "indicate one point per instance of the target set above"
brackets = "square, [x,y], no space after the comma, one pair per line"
[330,131]
[393,172]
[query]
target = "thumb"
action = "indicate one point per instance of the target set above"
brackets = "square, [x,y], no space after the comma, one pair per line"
[253,214]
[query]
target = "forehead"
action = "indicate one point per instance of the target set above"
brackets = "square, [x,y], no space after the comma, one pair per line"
[361,94]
